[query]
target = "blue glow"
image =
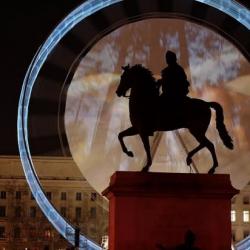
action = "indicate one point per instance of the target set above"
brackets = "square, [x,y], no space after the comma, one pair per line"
[229,7]
[244,244]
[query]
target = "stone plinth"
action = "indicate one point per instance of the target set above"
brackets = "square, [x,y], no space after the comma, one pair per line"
[149,210]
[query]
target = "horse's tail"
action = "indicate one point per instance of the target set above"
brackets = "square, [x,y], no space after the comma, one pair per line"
[224,135]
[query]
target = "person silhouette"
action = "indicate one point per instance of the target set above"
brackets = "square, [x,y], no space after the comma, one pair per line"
[187,245]
[173,82]
[189,242]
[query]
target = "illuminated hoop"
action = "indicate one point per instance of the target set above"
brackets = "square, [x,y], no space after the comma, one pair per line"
[228,7]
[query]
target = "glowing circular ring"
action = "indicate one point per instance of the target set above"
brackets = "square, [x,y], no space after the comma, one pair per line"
[229,7]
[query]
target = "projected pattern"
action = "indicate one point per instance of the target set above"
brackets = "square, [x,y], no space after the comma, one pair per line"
[94,115]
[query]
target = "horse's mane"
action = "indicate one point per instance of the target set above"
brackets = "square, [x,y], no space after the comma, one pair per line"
[145,74]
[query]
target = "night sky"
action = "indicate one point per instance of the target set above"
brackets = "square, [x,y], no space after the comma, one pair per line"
[25,25]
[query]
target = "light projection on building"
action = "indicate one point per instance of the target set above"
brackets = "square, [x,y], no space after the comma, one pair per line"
[95,115]
[235,84]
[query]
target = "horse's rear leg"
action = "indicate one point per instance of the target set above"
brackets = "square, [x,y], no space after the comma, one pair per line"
[211,148]
[204,142]
[145,141]
[193,152]
[128,132]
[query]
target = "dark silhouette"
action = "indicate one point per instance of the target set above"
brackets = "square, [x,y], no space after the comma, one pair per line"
[173,80]
[188,243]
[148,113]
[161,247]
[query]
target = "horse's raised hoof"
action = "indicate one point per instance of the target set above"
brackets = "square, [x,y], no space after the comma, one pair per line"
[211,170]
[130,153]
[189,161]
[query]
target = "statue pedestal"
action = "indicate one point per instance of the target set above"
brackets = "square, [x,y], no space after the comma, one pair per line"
[149,210]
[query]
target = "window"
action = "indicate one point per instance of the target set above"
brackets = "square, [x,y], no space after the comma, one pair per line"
[17,211]
[3,195]
[93,196]
[245,199]
[48,234]
[92,212]
[32,233]
[105,240]
[2,211]
[63,211]
[63,196]
[246,216]
[17,232]
[78,213]
[2,232]
[31,196]
[233,216]
[18,195]
[245,233]
[33,212]
[78,196]
[233,236]
[49,195]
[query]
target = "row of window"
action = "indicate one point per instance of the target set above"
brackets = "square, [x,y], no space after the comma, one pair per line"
[33,212]
[245,216]
[78,197]
[47,234]
[3,195]
[78,212]
[16,232]
[18,211]
[245,199]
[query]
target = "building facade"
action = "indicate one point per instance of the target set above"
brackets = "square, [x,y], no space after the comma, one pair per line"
[240,215]
[23,225]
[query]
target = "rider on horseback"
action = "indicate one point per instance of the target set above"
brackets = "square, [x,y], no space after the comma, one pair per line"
[195,116]
[173,80]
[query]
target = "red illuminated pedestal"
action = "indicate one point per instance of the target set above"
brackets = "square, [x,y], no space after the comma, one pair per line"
[152,209]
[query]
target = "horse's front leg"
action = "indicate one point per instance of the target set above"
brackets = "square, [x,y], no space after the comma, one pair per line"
[145,141]
[128,132]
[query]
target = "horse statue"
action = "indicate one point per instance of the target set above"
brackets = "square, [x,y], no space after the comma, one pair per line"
[150,112]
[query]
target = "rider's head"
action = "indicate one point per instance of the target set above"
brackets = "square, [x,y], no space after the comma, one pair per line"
[170,57]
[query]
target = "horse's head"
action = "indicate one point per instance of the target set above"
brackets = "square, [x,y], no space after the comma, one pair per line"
[138,78]
[125,82]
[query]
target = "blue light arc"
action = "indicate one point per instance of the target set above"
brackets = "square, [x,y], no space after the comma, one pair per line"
[88,8]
